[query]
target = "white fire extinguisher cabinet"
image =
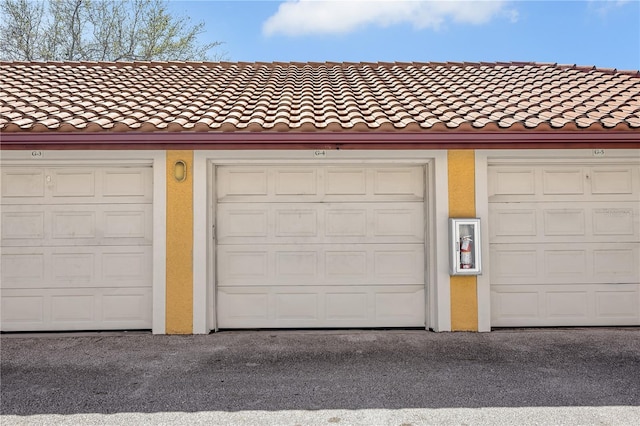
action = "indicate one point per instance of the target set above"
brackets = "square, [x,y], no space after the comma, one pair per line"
[464,242]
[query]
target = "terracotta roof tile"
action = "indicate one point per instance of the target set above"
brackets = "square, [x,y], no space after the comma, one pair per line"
[175,96]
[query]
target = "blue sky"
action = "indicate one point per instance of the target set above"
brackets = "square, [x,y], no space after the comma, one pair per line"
[604,33]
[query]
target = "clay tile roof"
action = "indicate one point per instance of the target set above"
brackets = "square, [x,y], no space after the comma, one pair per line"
[330,96]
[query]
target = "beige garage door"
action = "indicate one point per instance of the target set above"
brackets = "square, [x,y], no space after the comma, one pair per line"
[565,245]
[304,246]
[76,248]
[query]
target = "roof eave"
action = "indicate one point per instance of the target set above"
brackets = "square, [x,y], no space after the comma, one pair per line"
[320,140]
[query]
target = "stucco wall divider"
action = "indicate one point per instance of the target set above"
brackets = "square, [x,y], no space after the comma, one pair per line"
[159,243]
[202,259]
[179,242]
[462,204]
[482,211]
[441,300]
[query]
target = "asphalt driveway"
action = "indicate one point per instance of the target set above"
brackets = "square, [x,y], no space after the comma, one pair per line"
[545,376]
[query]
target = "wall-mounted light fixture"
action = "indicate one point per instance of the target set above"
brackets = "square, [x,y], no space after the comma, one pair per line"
[180,171]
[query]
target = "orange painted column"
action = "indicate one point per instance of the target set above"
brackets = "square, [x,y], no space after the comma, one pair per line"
[179,302]
[462,203]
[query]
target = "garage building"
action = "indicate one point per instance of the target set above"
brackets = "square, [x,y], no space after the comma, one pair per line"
[190,197]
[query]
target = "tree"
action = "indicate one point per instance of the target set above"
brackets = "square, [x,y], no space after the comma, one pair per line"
[99,30]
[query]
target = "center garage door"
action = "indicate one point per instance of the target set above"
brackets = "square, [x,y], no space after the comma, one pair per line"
[565,245]
[331,246]
[76,248]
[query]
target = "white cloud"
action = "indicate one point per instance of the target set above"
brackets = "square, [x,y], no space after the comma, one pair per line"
[603,7]
[302,17]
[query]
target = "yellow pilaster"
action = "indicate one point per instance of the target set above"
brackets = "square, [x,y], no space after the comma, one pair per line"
[462,203]
[179,305]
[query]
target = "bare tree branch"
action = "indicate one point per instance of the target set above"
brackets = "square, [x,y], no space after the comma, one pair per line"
[99,30]
[20,30]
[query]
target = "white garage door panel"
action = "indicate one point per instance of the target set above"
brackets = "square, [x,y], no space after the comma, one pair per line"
[564,305]
[312,184]
[565,244]
[565,263]
[562,183]
[581,221]
[333,246]
[64,267]
[80,224]
[83,185]
[322,306]
[267,265]
[75,309]
[76,248]
[290,223]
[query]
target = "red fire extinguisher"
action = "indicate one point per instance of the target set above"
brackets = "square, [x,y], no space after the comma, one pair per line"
[466,260]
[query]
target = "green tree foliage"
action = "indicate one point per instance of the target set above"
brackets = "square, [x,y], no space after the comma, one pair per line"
[99,30]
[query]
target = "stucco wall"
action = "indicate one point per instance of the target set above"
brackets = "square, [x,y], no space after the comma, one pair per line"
[462,203]
[179,263]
